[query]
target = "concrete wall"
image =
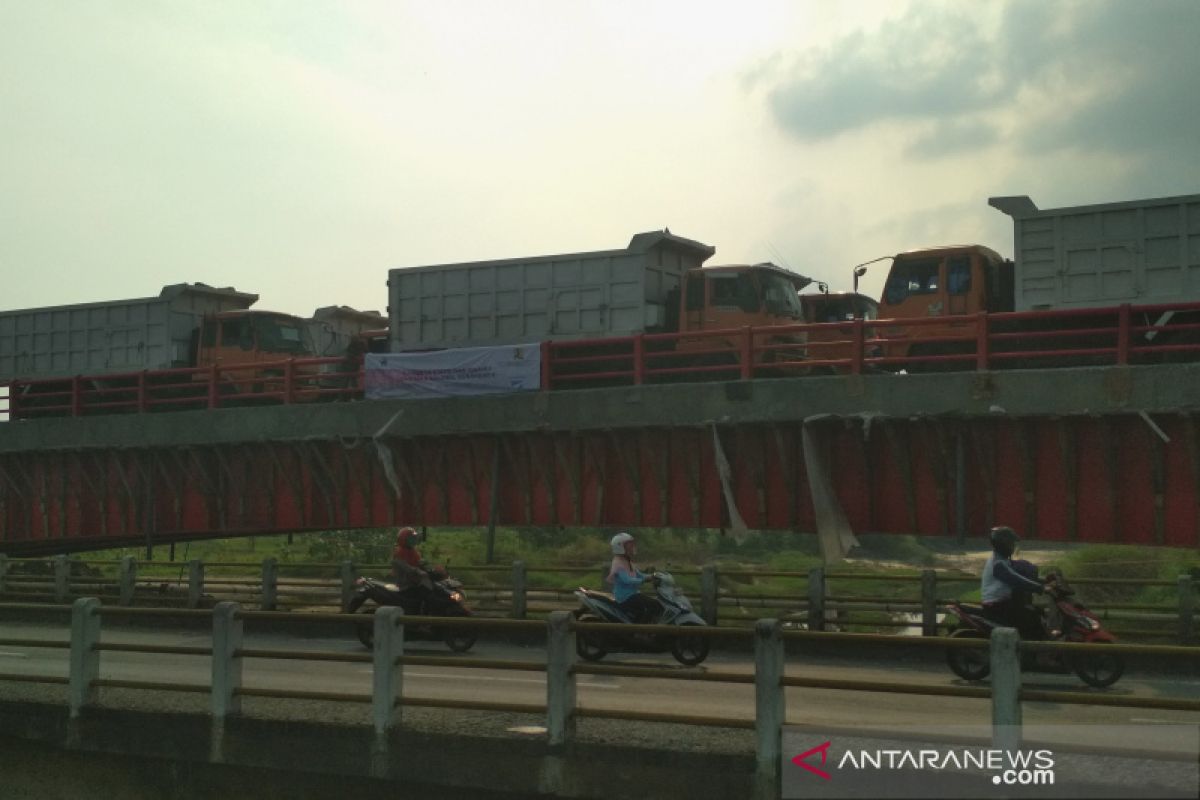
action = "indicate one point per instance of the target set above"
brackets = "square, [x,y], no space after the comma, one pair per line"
[1090,391]
[119,754]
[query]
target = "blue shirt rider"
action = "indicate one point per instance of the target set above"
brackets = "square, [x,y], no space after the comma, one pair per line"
[627,580]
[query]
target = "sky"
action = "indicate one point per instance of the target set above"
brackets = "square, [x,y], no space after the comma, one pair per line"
[301,149]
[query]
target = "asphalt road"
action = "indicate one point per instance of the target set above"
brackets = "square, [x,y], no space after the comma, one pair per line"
[820,708]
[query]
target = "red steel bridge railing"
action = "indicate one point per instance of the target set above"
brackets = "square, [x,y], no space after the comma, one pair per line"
[1119,335]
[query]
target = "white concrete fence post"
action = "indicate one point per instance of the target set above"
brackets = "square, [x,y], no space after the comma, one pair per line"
[1006,688]
[1187,609]
[85,657]
[928,602]
[226,660]
[816,599]
[347,573]
[387,682]
[520,588]
[195,582]
[127,580]
[770,706]
[270,584]
[560,678]
[62,579]
[709,591]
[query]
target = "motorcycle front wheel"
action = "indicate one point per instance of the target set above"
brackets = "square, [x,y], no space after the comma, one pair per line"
[460,640]
[968,663]
[1100,669]
[589,645]
[690,650]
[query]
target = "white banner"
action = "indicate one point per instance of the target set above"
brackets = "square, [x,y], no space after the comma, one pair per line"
[454,373]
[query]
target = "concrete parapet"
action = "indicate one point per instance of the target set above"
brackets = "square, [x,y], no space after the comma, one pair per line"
[152,754]
[1085,391]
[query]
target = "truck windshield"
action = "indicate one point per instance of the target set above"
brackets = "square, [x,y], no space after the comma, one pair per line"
[780,296]
[279,335]
[911,277]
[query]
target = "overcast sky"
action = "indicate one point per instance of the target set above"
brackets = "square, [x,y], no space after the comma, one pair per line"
[300,149]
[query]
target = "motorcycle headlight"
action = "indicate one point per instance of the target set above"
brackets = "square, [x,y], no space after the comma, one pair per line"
[456,597]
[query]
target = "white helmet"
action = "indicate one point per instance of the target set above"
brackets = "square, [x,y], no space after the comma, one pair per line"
[618,543]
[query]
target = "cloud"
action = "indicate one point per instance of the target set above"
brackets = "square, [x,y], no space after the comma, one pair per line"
[922,65]
[949,136]
[1100,77]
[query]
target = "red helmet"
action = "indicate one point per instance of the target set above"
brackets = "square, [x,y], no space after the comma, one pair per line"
[405,536]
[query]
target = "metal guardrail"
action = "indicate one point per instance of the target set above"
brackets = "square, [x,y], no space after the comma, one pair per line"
[813,604]
[986,341]
[387,700]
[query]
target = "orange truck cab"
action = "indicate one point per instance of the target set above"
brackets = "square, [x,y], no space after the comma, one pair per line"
[737,296]
[949,283]
[836,342]
[234,339]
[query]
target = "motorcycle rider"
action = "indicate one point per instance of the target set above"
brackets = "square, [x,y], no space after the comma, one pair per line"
[1005,592]
[626,580]
[408,567]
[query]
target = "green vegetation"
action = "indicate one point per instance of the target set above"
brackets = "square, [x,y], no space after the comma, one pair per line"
[1159,564]
[565,559]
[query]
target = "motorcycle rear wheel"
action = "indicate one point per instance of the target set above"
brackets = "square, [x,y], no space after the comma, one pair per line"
[968,663]
[1099,670]
[460,640]
[589,645]
[690,650]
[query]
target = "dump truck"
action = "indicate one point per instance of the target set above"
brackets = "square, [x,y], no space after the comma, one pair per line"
[657,284]
[1087,260]
[835,342]
[45,353]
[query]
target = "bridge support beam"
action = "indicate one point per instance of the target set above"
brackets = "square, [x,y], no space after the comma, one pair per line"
[520,583]
[62,578]
[347,573]
[770,706]
[128,580]
[270,584]
[195,582]
[816,599]
[560,679]
[226,662]
[387,680]
[226,699]
[928,602]
[1187,609]
[85,658]
[709,583]
[1006,688]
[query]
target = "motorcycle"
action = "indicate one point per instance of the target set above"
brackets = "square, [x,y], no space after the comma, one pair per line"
[1078,624]
[444,599]
[675,609]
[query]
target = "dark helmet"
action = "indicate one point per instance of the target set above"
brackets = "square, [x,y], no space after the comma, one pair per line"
[405,536]
[1004,540]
